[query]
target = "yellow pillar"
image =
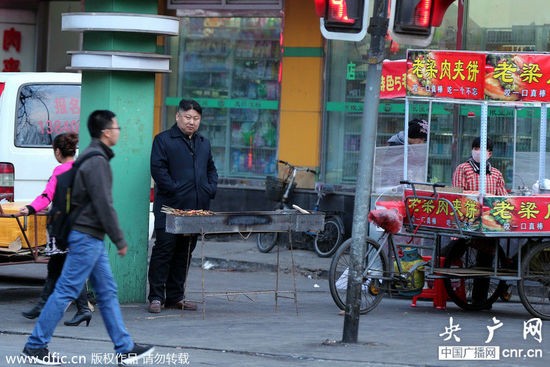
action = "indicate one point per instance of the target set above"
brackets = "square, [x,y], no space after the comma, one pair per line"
[301,86]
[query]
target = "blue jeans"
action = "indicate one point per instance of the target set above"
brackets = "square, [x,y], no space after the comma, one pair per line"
[87,259]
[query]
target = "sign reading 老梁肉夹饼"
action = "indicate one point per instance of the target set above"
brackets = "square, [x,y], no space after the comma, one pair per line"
[478,75]
[498,214]
[445,74]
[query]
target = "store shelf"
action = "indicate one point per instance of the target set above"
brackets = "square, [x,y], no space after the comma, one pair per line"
[235,58]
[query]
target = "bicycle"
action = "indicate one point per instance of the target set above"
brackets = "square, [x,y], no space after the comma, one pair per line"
[469,267]
[326,241]
[380,274]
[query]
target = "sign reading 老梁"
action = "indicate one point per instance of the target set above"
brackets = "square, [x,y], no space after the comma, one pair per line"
[508,77]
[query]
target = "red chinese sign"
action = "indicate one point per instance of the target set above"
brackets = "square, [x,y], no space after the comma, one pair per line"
[526,214]
[65,117]
[446,74]
[478,75]
[515,77]
[11,38]
[11,64]
[393,83]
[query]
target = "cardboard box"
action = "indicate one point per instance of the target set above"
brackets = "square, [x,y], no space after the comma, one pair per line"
[11,233]
[304,180]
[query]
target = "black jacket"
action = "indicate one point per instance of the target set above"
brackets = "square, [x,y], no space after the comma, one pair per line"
[93,188]
[184,172]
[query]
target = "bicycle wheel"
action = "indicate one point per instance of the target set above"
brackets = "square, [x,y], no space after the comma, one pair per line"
[375,264]
[534,285]
[266,241]
[327,241]
[467,290]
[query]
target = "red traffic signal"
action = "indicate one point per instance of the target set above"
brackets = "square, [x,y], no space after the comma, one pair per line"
[411,21]
[343,19]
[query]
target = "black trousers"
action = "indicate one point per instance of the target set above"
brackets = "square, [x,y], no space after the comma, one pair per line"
[169,265]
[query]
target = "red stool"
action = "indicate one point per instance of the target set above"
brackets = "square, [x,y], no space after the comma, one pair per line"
[435,291]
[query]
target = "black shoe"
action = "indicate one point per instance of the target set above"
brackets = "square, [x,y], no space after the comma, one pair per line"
[41,356]
[80,317]
[33,313]
[138,352]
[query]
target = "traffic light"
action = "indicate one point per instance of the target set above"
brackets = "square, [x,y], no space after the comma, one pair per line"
[412,21]
[344,20]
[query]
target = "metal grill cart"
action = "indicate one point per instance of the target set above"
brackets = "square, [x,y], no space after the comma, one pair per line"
[23,234]
[245,223]
[501,239]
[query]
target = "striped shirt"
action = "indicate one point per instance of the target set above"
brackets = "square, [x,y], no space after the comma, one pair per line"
[465,177]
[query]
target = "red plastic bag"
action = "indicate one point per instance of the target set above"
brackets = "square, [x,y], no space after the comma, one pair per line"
[389,220]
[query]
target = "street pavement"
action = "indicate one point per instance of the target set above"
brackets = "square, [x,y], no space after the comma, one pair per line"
[241,323]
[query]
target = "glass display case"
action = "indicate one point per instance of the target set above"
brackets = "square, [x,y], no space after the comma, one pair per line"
[514,131]
[231,66]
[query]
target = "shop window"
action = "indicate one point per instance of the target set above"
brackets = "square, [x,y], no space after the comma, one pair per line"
[231,66]
[225,4]
[515,29]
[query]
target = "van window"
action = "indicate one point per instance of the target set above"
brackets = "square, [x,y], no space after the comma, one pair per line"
[45,111]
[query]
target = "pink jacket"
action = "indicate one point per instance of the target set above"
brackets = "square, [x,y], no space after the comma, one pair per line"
[43,200]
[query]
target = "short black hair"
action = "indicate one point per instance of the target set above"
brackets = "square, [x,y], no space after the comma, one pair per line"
[477,143]
[190,104]
[98,121]
[418,129]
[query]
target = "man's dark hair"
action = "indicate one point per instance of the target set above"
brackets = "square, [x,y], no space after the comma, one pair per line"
[477,143]
[186,105]
[98,121]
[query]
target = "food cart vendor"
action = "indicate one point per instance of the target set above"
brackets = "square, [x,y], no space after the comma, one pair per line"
[466,175]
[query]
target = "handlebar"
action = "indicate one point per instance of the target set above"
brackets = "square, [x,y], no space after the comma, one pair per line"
[434,196]
[413,187]
[297,168]
[412,183]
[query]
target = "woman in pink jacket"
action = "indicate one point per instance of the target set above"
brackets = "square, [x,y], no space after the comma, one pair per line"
[64,147]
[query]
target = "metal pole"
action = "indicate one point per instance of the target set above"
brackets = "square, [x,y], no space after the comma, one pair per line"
[483,149]
[406,138]
[378,27]
[542,146]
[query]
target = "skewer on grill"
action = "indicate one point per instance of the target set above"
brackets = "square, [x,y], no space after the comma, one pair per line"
[168,210]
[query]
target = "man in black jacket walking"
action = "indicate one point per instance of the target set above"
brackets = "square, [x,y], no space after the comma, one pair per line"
[185,178]
[87,256]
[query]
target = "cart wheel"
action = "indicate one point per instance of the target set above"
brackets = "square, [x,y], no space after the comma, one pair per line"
[468,291]
[328,240]
[266,241]
[534,285]
[371,290]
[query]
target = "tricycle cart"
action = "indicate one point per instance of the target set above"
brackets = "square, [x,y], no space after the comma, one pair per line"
[492,240]
[23,237]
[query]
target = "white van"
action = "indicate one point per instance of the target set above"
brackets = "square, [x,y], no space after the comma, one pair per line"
[34,108]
